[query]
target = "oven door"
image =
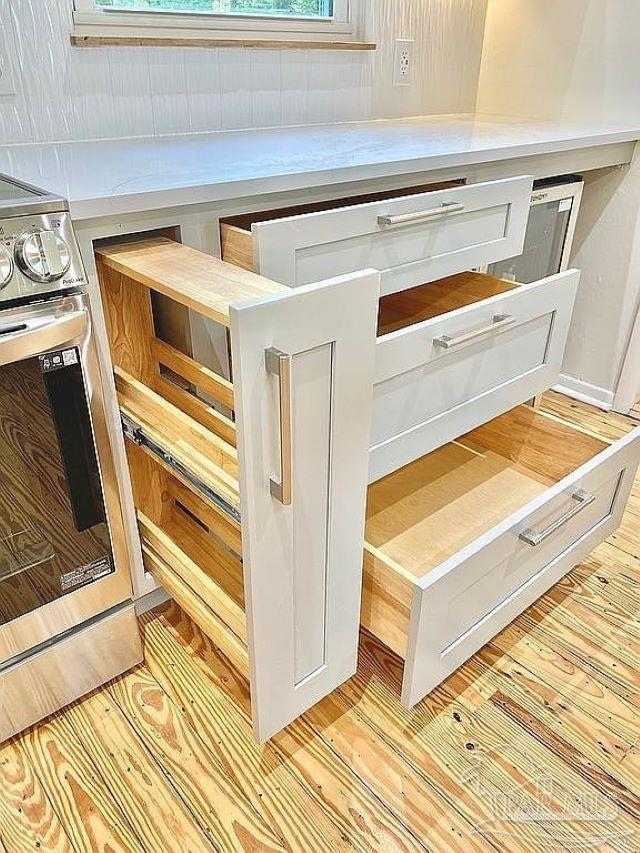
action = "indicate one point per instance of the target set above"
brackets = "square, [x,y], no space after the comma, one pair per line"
[62,547]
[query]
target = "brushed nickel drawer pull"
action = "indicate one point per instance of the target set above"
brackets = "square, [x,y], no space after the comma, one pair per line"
[533,537]
[498,322]
[421,215]
[279,364]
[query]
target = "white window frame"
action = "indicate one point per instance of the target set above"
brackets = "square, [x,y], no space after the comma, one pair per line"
[90,20]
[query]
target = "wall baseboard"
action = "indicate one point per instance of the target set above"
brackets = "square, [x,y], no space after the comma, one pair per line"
[585,392]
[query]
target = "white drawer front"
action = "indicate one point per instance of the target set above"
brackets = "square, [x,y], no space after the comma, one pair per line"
[410,240]
[472,596]
[426,395]
[477,597]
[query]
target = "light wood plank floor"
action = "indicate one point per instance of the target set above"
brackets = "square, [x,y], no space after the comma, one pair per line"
[533,745]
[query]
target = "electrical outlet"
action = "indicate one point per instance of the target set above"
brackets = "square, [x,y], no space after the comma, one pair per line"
[403,62]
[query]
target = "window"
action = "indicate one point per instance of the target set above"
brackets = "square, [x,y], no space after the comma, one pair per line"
[165,21]
[280,8]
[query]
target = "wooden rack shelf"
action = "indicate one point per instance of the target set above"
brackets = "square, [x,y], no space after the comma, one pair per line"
[194,279]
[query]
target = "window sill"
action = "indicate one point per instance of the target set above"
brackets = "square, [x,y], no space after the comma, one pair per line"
[142,29]
[103,40]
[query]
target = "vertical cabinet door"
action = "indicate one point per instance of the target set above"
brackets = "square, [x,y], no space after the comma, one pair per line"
[303,364]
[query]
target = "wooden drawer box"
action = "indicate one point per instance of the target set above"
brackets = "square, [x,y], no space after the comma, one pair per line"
[452,354]
[411,238]
[461,541]
[250,492]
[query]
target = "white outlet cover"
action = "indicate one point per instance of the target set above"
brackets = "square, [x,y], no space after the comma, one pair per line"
[403,62]
[7,45]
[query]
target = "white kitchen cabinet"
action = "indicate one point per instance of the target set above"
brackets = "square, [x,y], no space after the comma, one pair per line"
[252,522]
[251,490]
[464,529]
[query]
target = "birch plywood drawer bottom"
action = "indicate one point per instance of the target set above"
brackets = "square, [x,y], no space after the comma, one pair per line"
[461,541]
[250,492]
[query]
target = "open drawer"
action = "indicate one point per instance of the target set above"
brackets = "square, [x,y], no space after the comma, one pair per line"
[250,490]
[461,541]
[411,237]
[454,353]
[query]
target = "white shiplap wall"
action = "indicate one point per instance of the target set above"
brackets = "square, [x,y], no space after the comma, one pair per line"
[80,93]
[578,60]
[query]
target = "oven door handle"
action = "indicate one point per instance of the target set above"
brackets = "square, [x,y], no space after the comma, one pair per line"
[26,342]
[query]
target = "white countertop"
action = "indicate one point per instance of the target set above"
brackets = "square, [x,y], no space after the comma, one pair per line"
[106,177]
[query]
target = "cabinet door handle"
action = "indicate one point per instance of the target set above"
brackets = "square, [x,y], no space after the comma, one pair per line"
[498,322]
[279,364]
[421,215]
[534,537]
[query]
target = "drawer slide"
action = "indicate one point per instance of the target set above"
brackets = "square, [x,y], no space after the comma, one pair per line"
[135,432]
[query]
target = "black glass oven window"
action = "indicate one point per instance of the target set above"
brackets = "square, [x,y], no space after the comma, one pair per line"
[54,537]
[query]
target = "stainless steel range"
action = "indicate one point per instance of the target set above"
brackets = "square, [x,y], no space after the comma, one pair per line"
[66,619]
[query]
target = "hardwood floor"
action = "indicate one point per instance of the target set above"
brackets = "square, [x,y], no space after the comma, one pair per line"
[534,744]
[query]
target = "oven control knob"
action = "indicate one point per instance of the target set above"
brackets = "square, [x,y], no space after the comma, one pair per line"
[43,256]
[6,266]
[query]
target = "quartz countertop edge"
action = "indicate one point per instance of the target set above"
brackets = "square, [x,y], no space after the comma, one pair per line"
[124,176]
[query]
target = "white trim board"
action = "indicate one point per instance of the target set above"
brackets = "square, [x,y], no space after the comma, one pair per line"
[585,392]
